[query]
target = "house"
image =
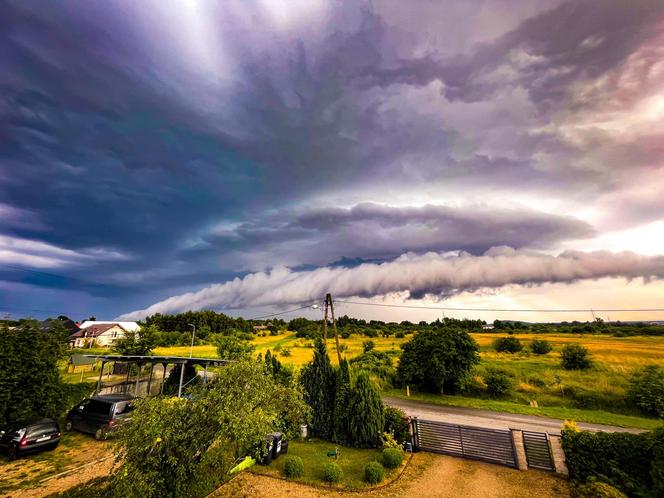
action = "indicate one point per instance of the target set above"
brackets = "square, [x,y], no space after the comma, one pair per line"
[487,326]
[130,326]
[98,334]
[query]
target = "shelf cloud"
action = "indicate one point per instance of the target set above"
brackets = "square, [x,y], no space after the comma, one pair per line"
[430,274]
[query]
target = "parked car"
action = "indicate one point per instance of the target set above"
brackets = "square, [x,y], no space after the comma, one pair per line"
[22,438]
[100,415]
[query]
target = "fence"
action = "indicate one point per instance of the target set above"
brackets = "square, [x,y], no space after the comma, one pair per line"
[538,451]
[489,445]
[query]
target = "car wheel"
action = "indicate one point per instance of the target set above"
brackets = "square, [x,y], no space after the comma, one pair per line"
[68,426]
[11,453]
[100,434]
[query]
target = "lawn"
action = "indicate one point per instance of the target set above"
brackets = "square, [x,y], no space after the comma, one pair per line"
[314,455]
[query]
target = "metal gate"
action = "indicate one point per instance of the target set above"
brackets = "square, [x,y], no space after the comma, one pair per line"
[489,445]
[538,452]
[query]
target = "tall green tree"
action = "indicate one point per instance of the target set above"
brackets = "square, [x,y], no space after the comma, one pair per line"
[231,348]
[342,398]
[185,447]
[365,414]
[30,384]
[319,384]
[139,343]
[438,360]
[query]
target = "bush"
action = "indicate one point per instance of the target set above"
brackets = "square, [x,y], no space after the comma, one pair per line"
[498,382]
[540,346]
[368,346]
[575,357]
[365,413]
[507,345]
[293,466]
[630,462]
[395,425]
[598,490]
[392,457]
[345,334]
[400,335]
[333,472]
[373,472]
[646,390]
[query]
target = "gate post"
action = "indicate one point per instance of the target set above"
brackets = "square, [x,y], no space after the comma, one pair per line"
[415,432]
[519,449]
[557,455]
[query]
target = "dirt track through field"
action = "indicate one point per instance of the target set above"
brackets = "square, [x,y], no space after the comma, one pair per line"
[427,476]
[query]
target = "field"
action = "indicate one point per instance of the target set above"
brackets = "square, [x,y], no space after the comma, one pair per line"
[594,395]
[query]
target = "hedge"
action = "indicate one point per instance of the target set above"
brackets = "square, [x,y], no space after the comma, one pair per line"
[629,462]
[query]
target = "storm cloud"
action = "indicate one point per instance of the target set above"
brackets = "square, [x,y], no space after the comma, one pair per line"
[432,274]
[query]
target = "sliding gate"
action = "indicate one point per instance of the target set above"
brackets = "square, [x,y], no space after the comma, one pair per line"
[489,445]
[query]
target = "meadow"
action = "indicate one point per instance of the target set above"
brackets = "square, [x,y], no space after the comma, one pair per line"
[594,395]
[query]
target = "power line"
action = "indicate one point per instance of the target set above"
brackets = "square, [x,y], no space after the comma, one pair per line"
[507,310]
[281,313]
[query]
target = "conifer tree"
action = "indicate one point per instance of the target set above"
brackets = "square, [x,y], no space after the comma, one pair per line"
[365,414]
[341,403]
[319,383]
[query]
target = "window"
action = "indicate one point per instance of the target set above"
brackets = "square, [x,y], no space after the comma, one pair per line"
[99,407]
[123,408]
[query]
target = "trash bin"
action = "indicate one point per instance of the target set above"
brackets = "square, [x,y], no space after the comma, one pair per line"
[266,456]
[276,446]
[304,431]
[284,448]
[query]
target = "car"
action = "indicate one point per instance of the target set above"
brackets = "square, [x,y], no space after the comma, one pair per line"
[100,415]
[20,439]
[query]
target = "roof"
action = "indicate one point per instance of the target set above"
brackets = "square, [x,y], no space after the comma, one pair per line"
[128,326]
[96,330]
[113,397]
[79,359]
[69,325]
[159,359]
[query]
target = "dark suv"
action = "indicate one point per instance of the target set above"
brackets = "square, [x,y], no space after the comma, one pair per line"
[100,415]
[23,438]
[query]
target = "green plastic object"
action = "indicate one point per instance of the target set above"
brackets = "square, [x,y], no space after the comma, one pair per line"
[244,464]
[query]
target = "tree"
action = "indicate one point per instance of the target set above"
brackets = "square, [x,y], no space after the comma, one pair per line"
[318,383]
[646,390]
[30,384]
[137,343]
[232,348]
[438,360]
[365,414]
[575,357]
[342,398]
[189,379]
[185,447]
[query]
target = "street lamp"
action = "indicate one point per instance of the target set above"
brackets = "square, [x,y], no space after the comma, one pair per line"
[193,335]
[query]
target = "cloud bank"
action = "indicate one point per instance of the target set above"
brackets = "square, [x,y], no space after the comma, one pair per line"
[430,274]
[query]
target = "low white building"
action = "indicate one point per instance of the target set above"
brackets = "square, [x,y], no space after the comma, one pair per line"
[100,334]
[130,326]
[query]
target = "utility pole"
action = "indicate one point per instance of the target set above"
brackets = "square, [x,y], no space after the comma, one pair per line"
[330,304]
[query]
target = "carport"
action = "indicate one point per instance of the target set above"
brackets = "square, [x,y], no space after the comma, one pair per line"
[164,361]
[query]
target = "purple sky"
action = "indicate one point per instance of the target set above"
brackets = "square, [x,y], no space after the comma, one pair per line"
[251,156]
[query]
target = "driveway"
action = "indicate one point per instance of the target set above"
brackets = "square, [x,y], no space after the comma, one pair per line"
[495,420]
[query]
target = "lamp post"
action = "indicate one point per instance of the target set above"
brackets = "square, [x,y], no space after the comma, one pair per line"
[193,335]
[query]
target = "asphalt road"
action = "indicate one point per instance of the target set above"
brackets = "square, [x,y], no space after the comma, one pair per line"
[490,419]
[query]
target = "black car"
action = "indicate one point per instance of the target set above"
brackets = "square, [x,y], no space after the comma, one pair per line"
[23,438]
[100,415]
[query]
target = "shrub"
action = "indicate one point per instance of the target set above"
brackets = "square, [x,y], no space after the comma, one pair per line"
[373,472]
[630,462]
[598,490]
[507,345]
[318,381]
[498,382]
[395,425]
[345,334]
[285,352]
[400,335]
[293,466]
[575,357]
[646,390]
[392,457]
[368,346]
[333,472]
[540,346]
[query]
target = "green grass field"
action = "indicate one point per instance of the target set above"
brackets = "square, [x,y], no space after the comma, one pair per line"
[314,455]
